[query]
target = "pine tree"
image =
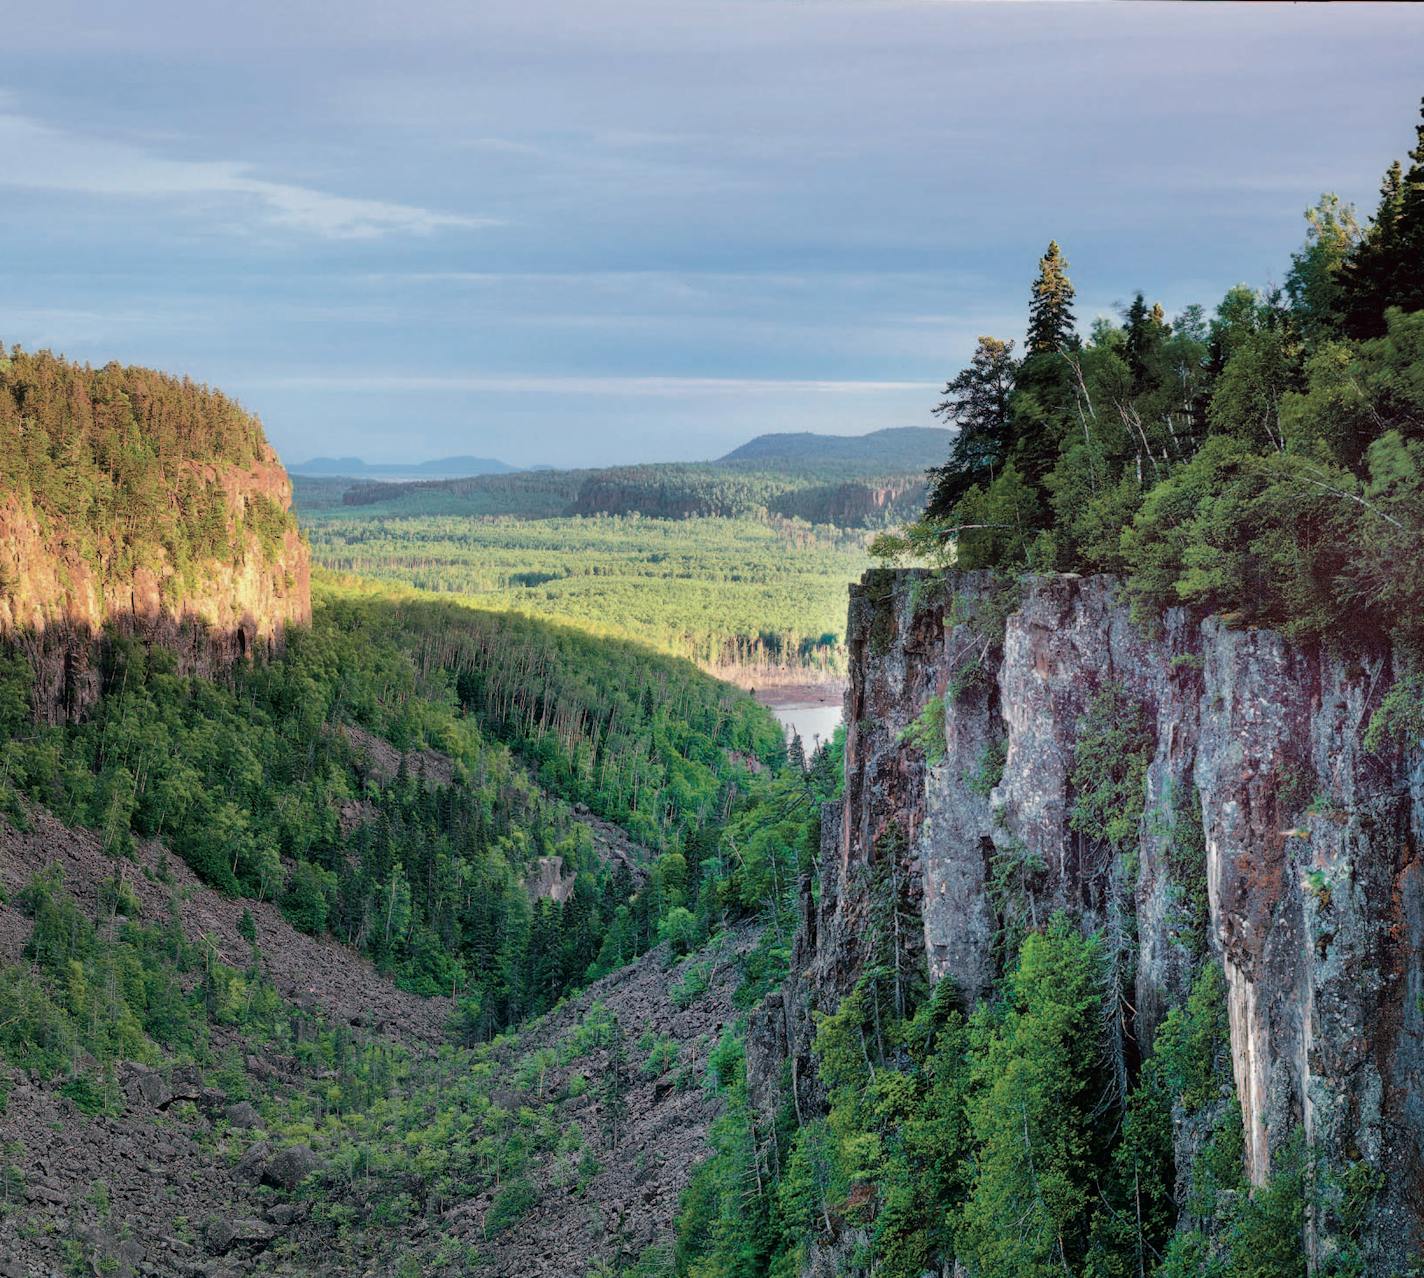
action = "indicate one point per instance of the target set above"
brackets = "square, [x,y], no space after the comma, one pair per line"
[1387,267]
[1050,310]
[977,401]
[1141,335]
[613,1094]
[1035,1113]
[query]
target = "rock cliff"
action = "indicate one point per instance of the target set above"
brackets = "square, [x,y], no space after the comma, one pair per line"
[1262,834]
[60,591]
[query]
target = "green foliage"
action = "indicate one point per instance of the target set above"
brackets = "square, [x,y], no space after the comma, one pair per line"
[990,769]
[827,480]
[925,732]
[690,985]
[307,901]
[977,402]
[1266,1237]
[512,1202]
[1110,760]
[1186,862]
[255,784]
[994,1141]
[87,1095]
[115,991]
[115,460]
[660,1054]
[1050,324]
[1264,463]
[736,595]
[1033,1112]
[1399,719]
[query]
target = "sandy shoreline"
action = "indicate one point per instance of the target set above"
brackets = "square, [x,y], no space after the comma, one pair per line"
[784,695]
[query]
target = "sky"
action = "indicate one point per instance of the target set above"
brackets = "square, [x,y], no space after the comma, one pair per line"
[578,232]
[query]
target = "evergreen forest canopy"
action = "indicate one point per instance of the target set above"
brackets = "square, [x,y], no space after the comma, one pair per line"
[737,596]
[270,788]
[116,459]
[740,565]
[1265,461]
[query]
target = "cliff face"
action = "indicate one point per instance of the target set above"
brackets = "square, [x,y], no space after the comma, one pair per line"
[1269,838]
[55,601]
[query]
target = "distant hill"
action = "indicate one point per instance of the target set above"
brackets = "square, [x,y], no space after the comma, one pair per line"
[439,468]
[897,448]
[849,481]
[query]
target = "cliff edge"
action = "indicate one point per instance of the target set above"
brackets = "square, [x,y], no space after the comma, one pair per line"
[1256,824]
[140,504]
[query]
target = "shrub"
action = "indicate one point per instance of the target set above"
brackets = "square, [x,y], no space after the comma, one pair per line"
[925,732]
[511,1204]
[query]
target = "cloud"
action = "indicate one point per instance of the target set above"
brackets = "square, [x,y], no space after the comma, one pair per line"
[638,387]
[42,158]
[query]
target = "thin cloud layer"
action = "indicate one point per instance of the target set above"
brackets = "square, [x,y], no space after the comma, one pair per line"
[42,158]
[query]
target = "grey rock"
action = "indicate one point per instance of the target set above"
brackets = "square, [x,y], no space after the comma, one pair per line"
[1316,901]
[249,1166]
[284,1215]
[225,1234]
[243,1115]
[288,1169]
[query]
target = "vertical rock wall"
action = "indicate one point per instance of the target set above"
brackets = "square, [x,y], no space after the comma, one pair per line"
[1270,838]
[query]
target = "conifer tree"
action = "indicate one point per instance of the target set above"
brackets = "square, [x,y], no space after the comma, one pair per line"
[613,1094]
[1050,310]
[977,401]
[1140,339]
[1387,267]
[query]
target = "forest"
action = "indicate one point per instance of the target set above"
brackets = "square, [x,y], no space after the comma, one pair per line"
[119,458]
[740,597]
[739,565]
[272,787]
[1264,460]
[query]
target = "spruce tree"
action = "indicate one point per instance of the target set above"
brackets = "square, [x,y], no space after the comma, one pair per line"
[977,401]
[1143,335]
[1387,267]
[1050,310]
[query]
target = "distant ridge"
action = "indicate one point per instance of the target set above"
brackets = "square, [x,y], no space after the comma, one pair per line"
[894,448]
[439,468]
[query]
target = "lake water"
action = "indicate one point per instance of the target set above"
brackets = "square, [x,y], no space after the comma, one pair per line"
[814,720]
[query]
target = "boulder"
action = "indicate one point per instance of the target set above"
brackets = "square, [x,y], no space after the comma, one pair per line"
[243,1116]
[288,1169]
[224,1234]
[250,1165]
[146,1088]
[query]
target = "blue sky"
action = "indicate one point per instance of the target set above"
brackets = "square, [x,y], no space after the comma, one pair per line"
[585,231]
